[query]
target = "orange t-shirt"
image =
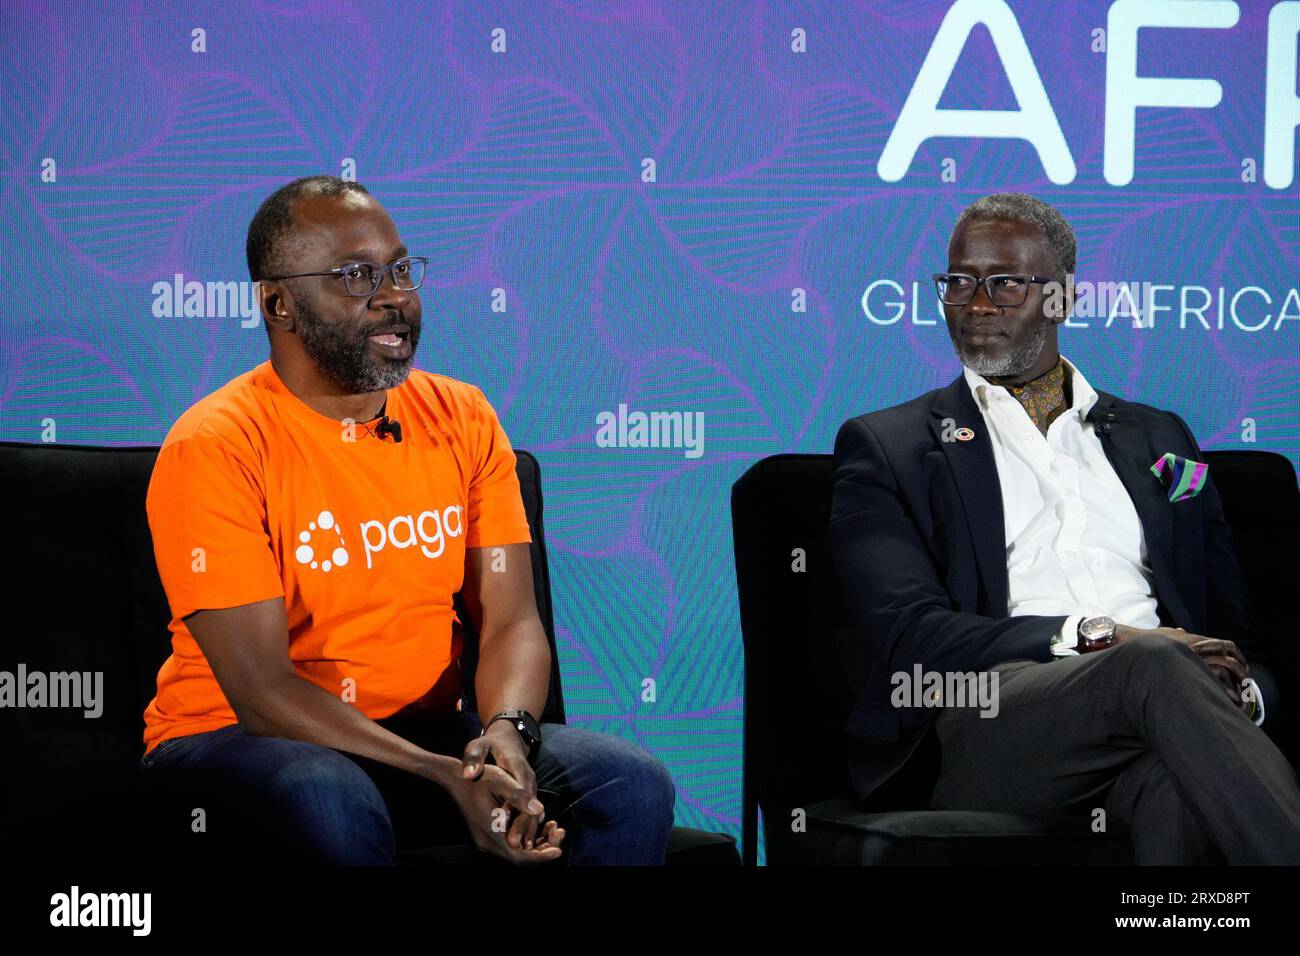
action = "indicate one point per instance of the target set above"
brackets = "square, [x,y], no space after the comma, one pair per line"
[255,495]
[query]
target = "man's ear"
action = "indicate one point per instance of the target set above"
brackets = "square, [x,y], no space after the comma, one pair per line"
[1069,300]
[277,306]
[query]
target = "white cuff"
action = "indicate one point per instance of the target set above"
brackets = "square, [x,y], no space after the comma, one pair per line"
[1067,637]
[1259,700]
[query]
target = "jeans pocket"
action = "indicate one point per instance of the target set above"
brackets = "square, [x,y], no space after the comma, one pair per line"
[163,747]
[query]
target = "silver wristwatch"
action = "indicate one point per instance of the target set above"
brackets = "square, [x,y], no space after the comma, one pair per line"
[1096,633]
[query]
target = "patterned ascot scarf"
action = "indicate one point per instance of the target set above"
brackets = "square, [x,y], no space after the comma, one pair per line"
[1044,398]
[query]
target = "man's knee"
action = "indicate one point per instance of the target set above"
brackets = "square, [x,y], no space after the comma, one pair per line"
[329,808]
[650,781]
[322,777]
[1154,656]
[624,781]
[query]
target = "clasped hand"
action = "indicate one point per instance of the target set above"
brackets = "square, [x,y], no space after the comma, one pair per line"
[1224,659]
[499,800]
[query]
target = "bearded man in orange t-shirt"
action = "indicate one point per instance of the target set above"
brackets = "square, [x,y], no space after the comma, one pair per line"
[312,521]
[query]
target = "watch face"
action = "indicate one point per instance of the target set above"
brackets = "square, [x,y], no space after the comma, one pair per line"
[528,728]
[1096,629]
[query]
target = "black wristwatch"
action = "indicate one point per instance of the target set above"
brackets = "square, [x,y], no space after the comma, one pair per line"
[524,723]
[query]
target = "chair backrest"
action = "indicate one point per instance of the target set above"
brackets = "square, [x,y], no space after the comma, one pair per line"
[83,594]
[1261,502]
[530,488]
[803,660]
[790,609]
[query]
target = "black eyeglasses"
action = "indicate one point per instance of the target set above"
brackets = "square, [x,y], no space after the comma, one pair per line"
[958,288]
[362,278]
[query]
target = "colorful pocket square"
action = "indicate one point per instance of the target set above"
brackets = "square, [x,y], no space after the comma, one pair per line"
[1182,477]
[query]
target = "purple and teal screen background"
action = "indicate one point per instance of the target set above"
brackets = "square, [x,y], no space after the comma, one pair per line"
[569,276]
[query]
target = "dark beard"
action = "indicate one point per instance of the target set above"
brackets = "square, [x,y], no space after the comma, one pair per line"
[344,358]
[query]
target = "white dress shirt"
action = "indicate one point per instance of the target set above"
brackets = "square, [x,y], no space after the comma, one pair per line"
[1073,536]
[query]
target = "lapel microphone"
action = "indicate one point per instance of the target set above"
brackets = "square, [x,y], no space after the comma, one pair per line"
[388,426]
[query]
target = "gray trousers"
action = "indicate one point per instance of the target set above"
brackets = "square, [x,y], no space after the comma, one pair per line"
[1143,731]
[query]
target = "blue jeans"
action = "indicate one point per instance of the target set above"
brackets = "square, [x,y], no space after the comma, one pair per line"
[315,803]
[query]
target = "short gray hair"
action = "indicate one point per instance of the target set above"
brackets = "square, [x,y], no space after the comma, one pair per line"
[1018,207]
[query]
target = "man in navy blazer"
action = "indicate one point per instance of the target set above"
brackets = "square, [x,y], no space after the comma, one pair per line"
[1113,630]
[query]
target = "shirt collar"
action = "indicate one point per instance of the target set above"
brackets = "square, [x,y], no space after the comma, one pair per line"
[1083,394]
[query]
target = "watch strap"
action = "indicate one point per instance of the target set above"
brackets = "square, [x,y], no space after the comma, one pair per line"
[517,717]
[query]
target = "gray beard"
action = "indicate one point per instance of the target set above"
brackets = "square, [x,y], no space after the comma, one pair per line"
[1011,362]
[345,361]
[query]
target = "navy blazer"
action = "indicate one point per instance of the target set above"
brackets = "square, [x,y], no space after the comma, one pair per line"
[919,544]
